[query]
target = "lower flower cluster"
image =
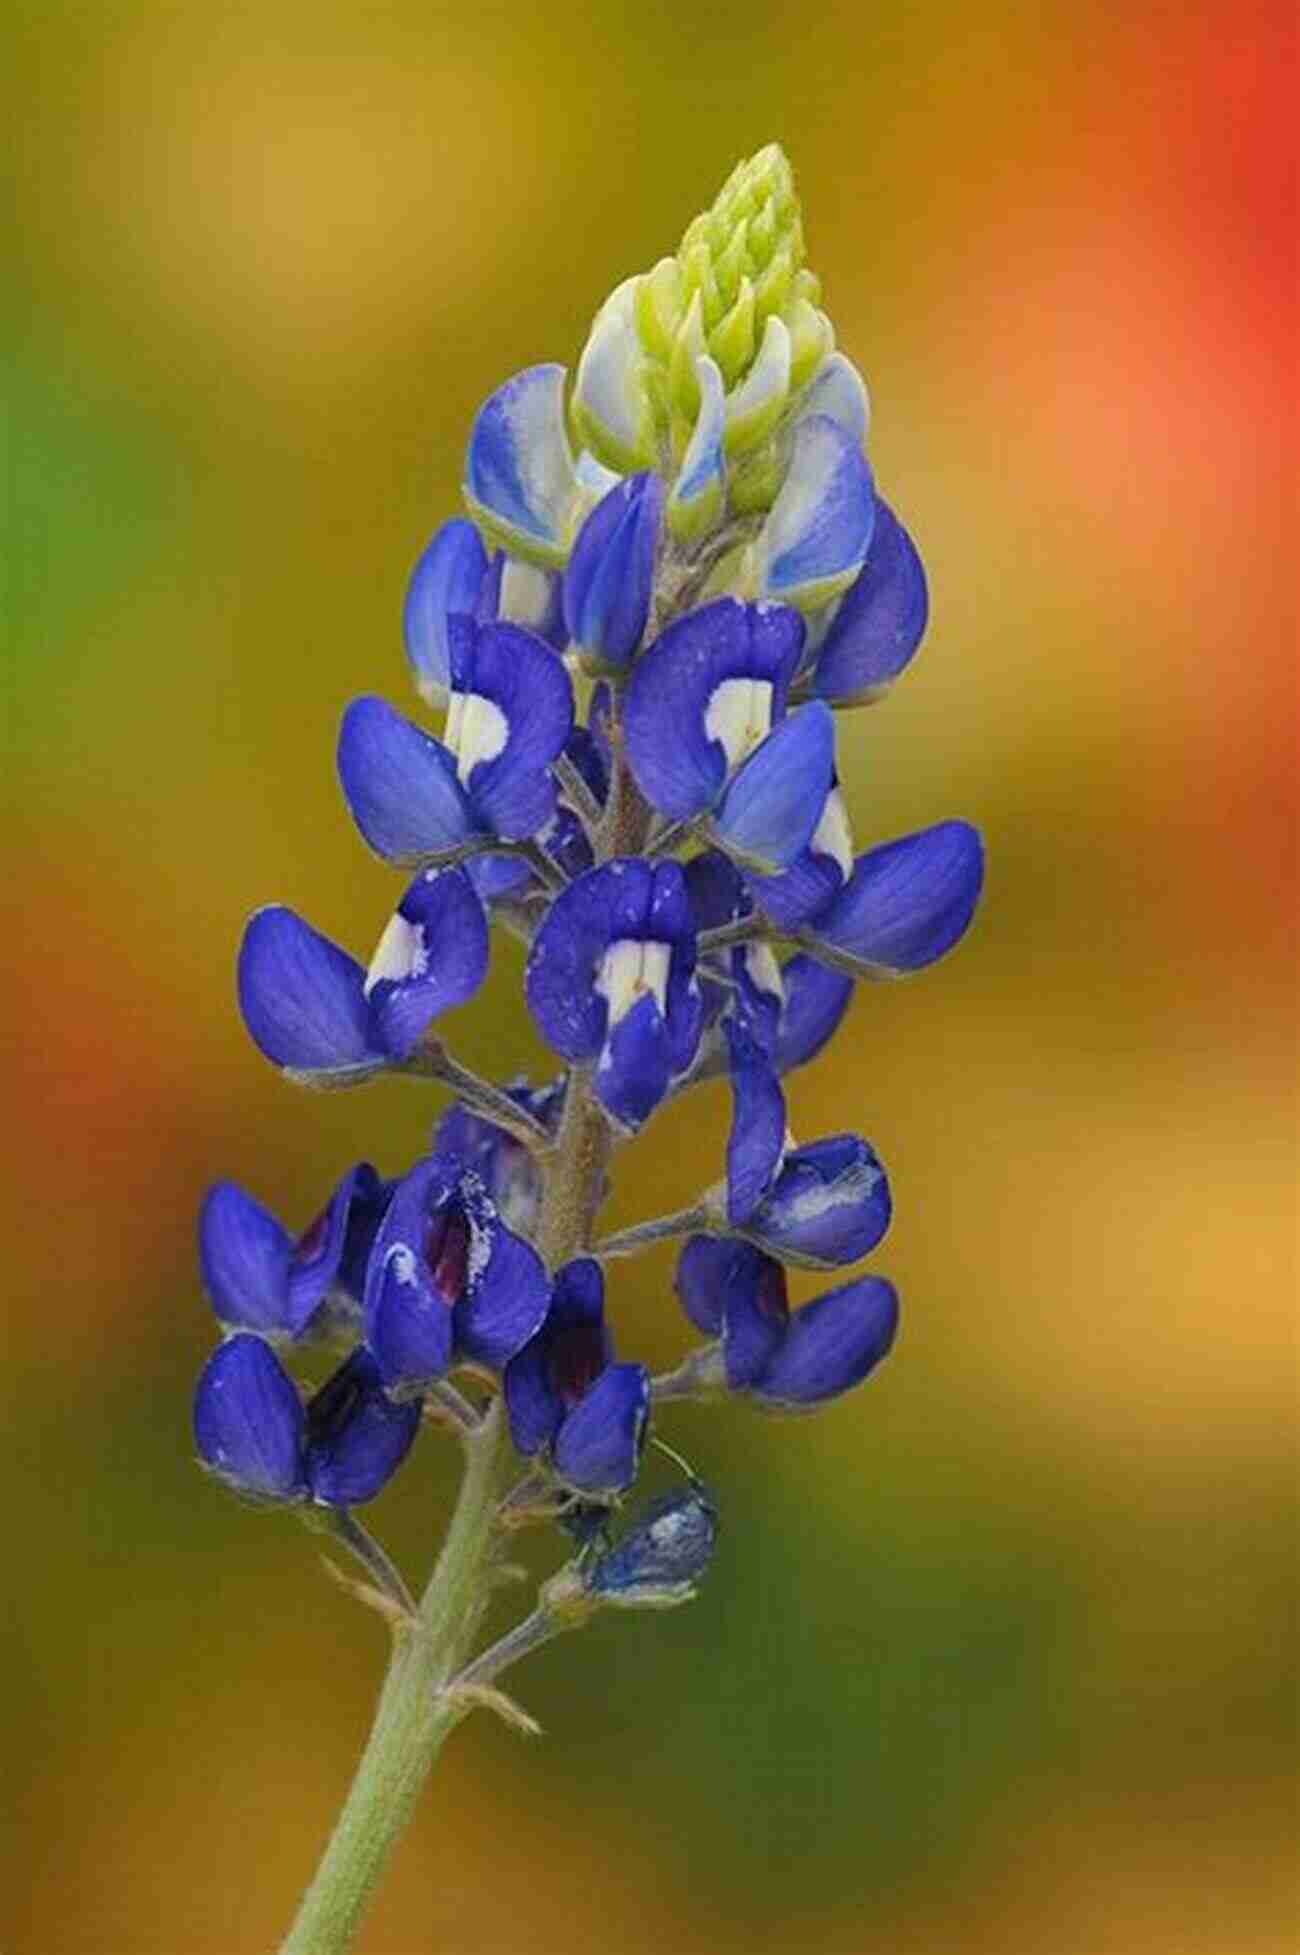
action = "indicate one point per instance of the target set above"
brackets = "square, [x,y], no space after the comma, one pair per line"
[636,773]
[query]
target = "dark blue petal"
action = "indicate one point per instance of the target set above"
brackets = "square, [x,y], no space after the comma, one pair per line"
[416,1275]
[400,784]
[244,1258]
[447,579]
[608,581]
[758,1125]
[908,901]
[717,893]
[316,1262]
[356,1436]
[880,621]
[817,874]
[248,1420]
[432,956]
[772,806]
[816,999]
[732,1290]
[831,1344]
[533,1406]
[830,1204]
[680,766]
[507,1289]
[497,878]
[598,1446]
[520,677]
[636,1064]
[759,993]
[668,1548]
[303,998]
[589,753]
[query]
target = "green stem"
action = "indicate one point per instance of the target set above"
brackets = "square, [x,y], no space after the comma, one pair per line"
[414,1715]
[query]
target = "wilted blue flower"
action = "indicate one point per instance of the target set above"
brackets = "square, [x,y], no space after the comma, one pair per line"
[662,1555]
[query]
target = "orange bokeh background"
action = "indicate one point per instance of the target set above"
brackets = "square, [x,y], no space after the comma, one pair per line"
[995,1657]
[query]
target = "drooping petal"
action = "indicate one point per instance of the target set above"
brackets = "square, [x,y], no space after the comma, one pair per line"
[816,999]
[816,535]
[303,999]
[506,1290]
[447,579]
[608,582]
[433,955]
[511,714]
[661,1557]
[248,1420]
[768,813]
[400,785]
[344,1226]
[732,1290]
[677,706]
[611,406]
[519,475]
[831,1345]
[829,1204]
[838,391]
[244,1260]
[706,1267]
[598,1446]
[698,493]
[908,901]
[880,620]
[758,1125]
[357,1437]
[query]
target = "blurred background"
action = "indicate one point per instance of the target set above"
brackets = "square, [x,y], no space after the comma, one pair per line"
[995,1655]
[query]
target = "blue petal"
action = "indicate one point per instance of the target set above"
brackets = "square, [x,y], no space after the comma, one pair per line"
[636,1064]
[830,1204]
[758,1125]
[511,791]
[816,535]
[409,1298]
[669,1547]
[248,1420]
[717,893]
[498,878]
[831,1345]
[680,768]
[448,578]
[519,475]
[244,1259]
[317,1258]
[816,999]
[533,1406]
[565,955]
[908,901]
[356,1436]
[769,812]
[880,621]
[400,784]
[507,1291]
[598,1446]
[732,1290]
[608,582]
[303,998]
[432,956]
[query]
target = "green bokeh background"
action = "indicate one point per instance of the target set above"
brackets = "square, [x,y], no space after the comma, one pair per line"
[995,1655]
